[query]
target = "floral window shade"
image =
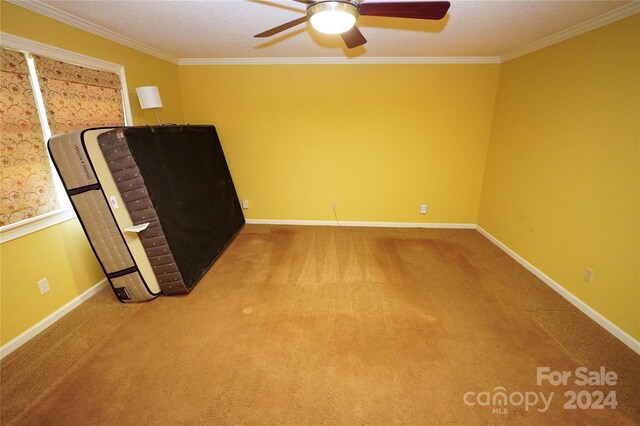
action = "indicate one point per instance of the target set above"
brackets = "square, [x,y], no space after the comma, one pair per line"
[26,179]
[76,97]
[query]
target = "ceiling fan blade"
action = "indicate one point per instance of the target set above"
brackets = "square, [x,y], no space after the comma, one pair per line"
[353,38]
[280,28]
[409,9]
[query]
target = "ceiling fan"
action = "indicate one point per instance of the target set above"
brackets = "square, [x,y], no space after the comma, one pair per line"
[339,16]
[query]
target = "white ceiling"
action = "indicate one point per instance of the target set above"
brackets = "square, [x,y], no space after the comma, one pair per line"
[222,29]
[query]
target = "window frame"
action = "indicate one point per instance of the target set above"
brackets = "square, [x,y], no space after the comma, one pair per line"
[66,212]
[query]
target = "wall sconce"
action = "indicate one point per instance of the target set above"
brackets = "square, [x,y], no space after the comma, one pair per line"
[149,97]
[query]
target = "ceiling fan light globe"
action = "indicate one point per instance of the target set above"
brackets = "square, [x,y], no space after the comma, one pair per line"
[332,17]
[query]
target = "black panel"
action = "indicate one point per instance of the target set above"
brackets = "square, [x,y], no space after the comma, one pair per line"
[189,183]
[122,293]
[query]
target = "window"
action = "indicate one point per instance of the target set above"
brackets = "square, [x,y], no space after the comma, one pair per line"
[26,179]
[52,91]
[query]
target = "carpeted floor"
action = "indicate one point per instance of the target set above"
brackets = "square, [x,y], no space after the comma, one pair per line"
[326,325]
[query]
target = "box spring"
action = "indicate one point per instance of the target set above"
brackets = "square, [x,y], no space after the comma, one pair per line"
[173,178]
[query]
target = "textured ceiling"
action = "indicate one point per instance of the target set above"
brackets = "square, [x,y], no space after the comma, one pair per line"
[225,28]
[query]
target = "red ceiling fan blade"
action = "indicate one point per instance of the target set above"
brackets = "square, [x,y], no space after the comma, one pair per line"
[410,9]
[280,28]
[353,38]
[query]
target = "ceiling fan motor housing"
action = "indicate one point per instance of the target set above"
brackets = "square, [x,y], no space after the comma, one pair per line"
[340,16]
[333,16]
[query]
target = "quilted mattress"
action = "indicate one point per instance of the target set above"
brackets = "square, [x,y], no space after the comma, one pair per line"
[157,203]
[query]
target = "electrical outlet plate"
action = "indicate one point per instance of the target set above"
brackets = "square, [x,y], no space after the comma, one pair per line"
[245,204]
[43,284]
[423,209]
[588,275]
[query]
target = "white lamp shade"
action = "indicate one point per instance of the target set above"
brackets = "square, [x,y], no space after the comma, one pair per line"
[149,97]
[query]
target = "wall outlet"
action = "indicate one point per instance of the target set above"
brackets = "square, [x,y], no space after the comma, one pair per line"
[423,209]
[334,205]
[588,275]
[245,204]
[43,284]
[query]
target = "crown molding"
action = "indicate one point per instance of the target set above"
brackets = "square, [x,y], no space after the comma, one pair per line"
[576,30]
[12,41]
[69,19]
[343,61]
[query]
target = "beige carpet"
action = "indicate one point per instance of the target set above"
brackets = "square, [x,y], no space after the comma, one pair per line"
[324,325]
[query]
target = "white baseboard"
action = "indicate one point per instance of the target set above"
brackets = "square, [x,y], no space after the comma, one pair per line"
[361,224]
[622,335]
[32,332]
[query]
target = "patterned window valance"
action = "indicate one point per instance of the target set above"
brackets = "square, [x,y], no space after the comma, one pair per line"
[77,98]
[13,62]
[57,70]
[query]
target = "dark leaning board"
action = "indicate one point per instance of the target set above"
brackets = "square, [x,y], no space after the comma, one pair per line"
[181,181]
[175,178]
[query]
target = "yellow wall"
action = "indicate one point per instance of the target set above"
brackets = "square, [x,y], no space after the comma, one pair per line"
[379,140]
[61,253]
[562,183]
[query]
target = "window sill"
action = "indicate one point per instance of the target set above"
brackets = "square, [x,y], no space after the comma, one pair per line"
[26,227]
